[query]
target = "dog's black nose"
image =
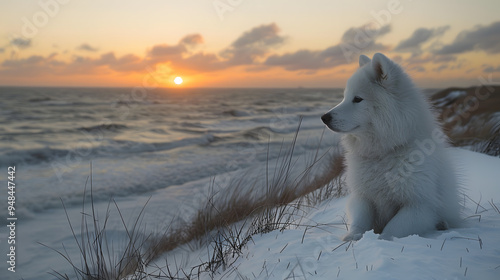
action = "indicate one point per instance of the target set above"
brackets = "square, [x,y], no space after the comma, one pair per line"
[326,118]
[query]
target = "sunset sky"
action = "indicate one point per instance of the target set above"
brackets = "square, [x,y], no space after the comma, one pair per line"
[244,43]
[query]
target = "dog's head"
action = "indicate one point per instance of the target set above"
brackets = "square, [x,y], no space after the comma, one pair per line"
[368,97]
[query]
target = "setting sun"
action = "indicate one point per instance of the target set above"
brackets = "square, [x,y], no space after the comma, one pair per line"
[178,80]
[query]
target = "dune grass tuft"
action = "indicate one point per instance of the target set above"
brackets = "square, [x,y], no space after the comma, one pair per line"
[98,257]
[285,194]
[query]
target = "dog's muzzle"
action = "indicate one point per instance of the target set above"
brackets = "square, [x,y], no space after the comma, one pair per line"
[326,118]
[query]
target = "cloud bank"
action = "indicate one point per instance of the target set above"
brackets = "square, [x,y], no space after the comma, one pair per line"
[419,37]
[258,50]
[480,38]
[354,41]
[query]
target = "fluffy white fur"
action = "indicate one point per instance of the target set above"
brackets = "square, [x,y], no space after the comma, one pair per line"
[400,178]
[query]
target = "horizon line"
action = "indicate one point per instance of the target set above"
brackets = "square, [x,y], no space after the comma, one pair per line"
[175,88]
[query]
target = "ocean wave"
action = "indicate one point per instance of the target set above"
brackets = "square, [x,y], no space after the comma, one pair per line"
[133,102]
[31,156]
[189,130]
[191,124]
[103,127]
[102,148]
[52,102]
[39,99]
[237,113]
[189,127]
[257,133]
[203,140]
[159,131]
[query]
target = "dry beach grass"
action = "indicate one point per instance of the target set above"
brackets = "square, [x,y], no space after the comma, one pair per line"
[471,116]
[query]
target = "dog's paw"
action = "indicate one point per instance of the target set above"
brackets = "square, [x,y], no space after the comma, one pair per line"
[352,236]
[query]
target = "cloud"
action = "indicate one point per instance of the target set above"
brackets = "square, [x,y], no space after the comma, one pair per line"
[354,41]
[247,49]
[81,65]
[109,62]
[21,43]
[299,60]
[430,58]
[491,69]
[105,63]
[126,63]
[418,38]
[200,62]
[264,35]
[87,47]
[417,68]
[192,40]
[440,68]
[481,38]
[183,57]
[32,60]
[164,51]
[365,35]
[32,66]
[253,44]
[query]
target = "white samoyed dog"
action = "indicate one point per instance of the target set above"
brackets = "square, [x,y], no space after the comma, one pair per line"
[400,178]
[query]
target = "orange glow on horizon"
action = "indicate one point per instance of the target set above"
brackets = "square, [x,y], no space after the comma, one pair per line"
[239,76]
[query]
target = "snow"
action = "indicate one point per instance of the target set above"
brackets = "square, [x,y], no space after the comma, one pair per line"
[456,94]
[448,99]
[479,173]
[314,250]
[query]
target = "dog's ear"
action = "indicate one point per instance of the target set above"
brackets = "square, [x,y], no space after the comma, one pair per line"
[363,59]
[382,66]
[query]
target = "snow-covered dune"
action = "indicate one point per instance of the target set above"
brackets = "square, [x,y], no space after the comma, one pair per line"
[313,250]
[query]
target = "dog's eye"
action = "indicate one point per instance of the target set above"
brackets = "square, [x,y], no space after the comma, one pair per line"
[357,99]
